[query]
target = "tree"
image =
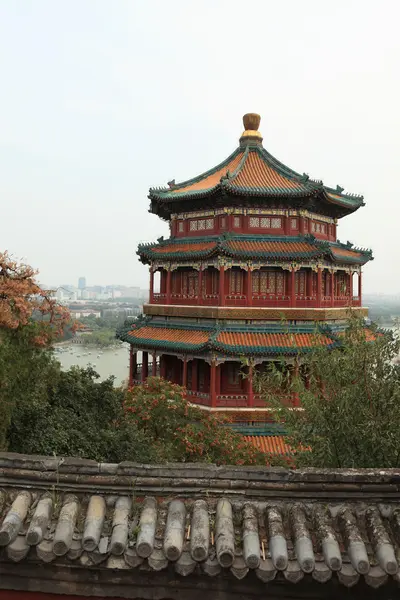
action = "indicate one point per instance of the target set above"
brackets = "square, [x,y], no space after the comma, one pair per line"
[29,320]
[350,407]
[183,432]
[75,415]
[21,298]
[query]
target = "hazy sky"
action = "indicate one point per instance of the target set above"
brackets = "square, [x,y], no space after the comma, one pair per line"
[101,99]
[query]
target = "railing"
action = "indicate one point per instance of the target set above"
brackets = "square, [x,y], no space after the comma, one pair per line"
[342,301]
[235,300]
[232,400]
[210,299]
[198,397]
[184,299]
[159,298]
[326,301]
[305,301]
[271,300]
[258,300]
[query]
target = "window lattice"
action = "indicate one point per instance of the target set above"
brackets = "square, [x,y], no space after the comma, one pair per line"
[236,221]
[279,284]
[210,224]
[180,226]
[276,223]
[293,223]
[201,224]
[193,225]
[254,222]
[265,222]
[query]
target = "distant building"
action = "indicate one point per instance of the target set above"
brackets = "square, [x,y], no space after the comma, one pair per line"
[82,283]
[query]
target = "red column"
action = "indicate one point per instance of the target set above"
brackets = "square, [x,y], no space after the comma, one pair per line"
[168,292]
[184,372]
[132,366]
[250,393]
[287,225]
[333,288]
[200,287]
[194,375]
[249,287]
[218,379]
[351,288]
[292,286]
[309,283]
[221,286]
[213,394]
[162,366]
[151,294]
[319,287]
[154,365]
[359,289]
[145,366]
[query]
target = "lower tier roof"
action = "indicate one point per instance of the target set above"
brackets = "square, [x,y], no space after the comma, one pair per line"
[277,339]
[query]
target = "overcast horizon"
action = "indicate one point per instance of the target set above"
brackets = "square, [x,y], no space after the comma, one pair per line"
[102,100]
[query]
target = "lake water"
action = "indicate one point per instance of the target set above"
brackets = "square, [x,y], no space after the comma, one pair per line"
[109,361]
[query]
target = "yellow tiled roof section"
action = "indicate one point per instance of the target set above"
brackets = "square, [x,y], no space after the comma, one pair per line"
[256,173]
[276,340]
[212,180]
[344,252]
[183,336]
[270,444]
[265,246]
[178,248]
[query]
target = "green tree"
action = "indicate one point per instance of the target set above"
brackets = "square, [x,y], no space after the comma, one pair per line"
[350,408]
[183,432]
[75,415]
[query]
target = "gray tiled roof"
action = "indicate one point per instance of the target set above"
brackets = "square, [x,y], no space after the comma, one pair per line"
[291,533]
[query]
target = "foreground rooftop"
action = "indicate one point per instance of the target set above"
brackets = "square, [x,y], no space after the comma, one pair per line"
[103,529]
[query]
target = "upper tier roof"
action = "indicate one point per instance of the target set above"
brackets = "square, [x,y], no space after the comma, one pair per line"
[252,172]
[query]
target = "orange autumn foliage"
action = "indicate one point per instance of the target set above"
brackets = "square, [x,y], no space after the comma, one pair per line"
[21,298]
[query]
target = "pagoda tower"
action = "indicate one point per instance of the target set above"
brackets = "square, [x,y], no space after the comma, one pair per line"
[251,268]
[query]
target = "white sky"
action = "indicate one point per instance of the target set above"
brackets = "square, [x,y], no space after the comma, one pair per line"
[102,99]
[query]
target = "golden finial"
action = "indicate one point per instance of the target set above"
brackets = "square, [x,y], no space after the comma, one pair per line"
[251,122]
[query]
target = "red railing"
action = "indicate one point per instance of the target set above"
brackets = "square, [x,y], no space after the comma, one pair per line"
[184,299]
[271,300]
[235,300]
[159,298]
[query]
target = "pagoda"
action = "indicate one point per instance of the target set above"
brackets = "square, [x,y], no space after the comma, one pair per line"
[251,269]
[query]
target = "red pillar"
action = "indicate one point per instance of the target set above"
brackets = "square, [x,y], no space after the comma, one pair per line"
[287,225]
[221,286]
[200,287]
[213,392]
[151,294]
[154,365]
[249,287]
[184,372]
[145,366]
[169,286]
[359,289]
[250,393]
[351,288]
[218,379]
[292,287]
[132,366]
[333,288]
[319,287]
[162,366]
[309,283]
[194,375]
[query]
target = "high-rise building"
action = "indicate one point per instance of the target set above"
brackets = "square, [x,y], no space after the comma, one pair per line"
[82,283]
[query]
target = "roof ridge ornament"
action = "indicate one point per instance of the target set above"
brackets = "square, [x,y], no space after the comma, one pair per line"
[251,135]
